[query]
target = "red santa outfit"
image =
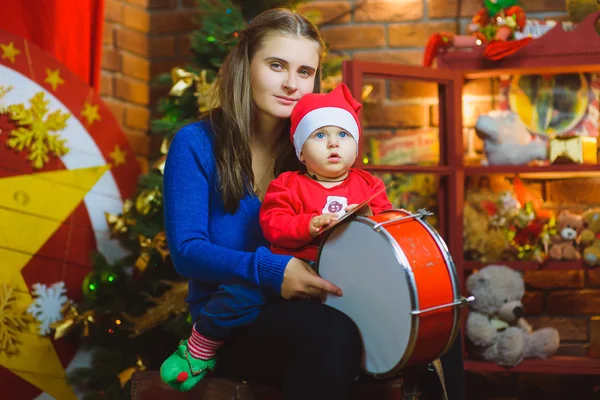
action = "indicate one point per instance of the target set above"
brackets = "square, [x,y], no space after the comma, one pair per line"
[294,198]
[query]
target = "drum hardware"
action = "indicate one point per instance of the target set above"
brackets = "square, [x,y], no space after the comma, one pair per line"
[462,302]
[419,214]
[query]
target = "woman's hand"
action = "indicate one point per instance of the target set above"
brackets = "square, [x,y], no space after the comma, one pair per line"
[366,211]
[317,223]
[300,281]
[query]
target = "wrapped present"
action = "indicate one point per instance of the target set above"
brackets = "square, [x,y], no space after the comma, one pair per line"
[574,149]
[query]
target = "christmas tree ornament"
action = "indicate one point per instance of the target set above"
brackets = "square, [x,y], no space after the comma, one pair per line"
[47,304]
[119,224]
[182,80]
[149,202]
[148,247]
[70,320]
[159,165]
[100,284]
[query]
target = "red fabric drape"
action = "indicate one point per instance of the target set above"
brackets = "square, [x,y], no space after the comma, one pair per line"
[71,30]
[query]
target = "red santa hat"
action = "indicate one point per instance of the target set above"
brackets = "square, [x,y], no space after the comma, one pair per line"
[316,110]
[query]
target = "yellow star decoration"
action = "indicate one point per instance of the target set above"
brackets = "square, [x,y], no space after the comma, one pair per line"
[9,51]
[53,78]
[118,156]
[27,221]
[90,112]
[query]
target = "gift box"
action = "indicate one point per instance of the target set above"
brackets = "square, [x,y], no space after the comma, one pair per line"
[574,149]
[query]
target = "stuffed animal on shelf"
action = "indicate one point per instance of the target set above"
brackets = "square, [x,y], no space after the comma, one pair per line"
[484,234]
[495,24]
[563,245]
[507,140]
[496,329]
[590,237]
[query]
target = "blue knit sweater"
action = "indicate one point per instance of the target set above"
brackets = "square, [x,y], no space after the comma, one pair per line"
[208,245]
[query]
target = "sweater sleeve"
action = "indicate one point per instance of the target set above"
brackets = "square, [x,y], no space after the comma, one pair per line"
[188,182]
[282,225]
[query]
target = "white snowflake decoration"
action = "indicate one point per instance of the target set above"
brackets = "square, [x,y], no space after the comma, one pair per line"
[47,305]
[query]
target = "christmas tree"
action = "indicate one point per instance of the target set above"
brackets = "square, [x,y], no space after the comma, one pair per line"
[134,312]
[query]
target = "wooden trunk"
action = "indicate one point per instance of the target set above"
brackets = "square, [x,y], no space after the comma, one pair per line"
[147,385]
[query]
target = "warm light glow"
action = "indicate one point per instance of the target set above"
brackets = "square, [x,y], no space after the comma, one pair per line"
[470,113]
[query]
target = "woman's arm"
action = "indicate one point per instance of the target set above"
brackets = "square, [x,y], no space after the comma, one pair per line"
[187,188]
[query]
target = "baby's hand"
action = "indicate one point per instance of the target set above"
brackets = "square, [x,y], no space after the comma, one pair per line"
[366,211]
[320,221]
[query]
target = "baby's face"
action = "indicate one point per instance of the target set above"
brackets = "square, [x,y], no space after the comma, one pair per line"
[329,152]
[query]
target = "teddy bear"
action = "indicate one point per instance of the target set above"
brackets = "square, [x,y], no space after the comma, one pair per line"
[507,140]
[496,329]
[590,237]
[563,245]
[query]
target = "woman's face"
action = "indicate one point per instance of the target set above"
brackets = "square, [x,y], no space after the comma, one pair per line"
[282,71]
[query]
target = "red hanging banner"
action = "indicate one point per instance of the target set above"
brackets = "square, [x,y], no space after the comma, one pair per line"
[70,30]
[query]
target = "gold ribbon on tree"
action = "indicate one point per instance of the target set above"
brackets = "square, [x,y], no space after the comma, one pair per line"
[71,319]
[119,224]
[147,245]
[183,80]
[159,164]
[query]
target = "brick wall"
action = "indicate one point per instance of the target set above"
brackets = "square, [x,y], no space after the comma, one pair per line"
[396,30]
[145,37]
[565,300]
[142,38]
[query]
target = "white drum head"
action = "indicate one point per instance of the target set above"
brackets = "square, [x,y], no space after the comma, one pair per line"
[363,263]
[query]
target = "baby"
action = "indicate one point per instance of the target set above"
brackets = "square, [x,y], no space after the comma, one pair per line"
[298,205]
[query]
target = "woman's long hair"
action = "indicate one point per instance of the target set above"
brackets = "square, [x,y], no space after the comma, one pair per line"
[234,121]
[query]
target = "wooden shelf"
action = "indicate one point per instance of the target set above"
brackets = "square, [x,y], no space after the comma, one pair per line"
[560,365]
[529,265]
[549,171]
[408,169]
[558,51]
[566,69]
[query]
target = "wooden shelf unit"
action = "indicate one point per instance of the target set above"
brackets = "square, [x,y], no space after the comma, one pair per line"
[556,365]
[528,265]
[556,52]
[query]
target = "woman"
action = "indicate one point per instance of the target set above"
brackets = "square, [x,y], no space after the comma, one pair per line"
[215,178]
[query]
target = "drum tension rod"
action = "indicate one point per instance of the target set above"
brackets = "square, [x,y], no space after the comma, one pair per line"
[421,213]
[461,302]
